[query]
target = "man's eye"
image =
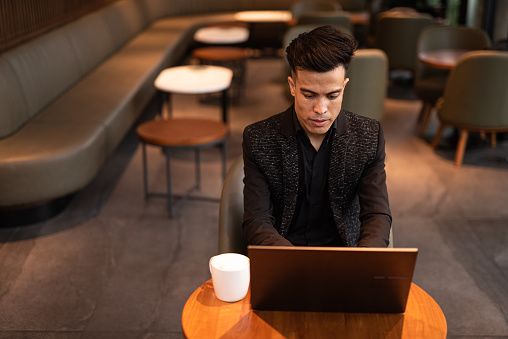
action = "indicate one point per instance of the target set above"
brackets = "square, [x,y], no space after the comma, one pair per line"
[333,97]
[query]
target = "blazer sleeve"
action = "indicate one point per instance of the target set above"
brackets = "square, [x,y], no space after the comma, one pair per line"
[258,220]
[375,215]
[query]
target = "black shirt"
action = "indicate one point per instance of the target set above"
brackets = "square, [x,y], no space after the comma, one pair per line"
[312,223]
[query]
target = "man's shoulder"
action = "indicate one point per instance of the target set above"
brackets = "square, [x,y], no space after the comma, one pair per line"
[360,123]
[359,119]
[271,123]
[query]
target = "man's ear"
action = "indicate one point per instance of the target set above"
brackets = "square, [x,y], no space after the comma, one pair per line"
[292,86]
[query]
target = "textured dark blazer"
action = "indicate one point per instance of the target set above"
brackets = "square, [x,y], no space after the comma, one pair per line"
[357,180]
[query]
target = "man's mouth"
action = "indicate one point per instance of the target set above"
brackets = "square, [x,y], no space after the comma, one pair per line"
[318,123]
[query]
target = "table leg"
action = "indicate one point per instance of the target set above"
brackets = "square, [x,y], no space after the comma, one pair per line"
[145,170]
[224,160]
[165,101]
[198,168]
[225,106]
[168,182]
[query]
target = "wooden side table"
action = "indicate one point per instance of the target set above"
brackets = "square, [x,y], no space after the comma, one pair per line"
[181,133]
[205,316]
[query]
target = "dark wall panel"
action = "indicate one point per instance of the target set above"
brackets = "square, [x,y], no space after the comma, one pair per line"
[22,20]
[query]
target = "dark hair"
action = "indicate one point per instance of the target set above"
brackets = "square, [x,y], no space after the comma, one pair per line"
[321,50]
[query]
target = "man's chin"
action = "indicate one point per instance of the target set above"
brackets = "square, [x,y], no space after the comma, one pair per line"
[320,130]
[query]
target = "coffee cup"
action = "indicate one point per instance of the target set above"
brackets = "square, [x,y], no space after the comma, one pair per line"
[230,276]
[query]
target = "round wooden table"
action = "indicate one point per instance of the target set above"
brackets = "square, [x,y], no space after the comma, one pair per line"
[442,58]
[194,79]
[205,316]
[181,133]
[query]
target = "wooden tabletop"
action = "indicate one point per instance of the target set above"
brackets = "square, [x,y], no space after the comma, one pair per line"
[180,132]
[205,316]
[442,58]
[360,18]
[220,53]
[263,16]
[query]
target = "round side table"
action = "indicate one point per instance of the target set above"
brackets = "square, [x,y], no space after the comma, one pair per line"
[230,57]
[222,34]
[194,79]
[181,133]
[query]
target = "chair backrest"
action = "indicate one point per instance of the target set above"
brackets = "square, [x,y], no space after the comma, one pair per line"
[334,18]
[354,5]
[476,91]
[366,90]
[397,34]
[301,7]
[231,236]
[448,37]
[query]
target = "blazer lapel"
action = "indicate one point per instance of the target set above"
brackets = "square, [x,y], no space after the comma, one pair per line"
[289,170]
[336,173]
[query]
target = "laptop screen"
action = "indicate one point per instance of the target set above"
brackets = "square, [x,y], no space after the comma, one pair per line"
[331,279]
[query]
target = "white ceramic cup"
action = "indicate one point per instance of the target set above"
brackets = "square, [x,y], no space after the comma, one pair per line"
[230,276]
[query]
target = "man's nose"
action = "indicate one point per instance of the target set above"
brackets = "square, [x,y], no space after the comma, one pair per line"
[321,107]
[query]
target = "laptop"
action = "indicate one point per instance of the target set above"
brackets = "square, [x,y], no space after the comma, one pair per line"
[331,279]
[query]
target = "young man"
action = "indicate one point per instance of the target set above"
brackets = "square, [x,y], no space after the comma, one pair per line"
[314,174]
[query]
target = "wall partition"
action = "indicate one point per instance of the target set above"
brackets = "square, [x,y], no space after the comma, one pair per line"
[22,20]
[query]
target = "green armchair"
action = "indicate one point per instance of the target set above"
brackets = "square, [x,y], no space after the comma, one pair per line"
[475,98]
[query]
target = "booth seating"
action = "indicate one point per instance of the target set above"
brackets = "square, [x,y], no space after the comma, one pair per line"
[68,97]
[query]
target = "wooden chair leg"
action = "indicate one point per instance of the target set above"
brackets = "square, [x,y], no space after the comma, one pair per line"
[425,117]
[461,147]
[493,137]
[422,111]
[437,137]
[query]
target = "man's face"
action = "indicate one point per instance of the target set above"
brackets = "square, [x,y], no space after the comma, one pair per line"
[318,99]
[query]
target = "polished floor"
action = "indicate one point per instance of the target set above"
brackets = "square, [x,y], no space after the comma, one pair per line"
[112,265]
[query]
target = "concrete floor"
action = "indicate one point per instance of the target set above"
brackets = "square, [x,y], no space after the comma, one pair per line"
[112,265]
